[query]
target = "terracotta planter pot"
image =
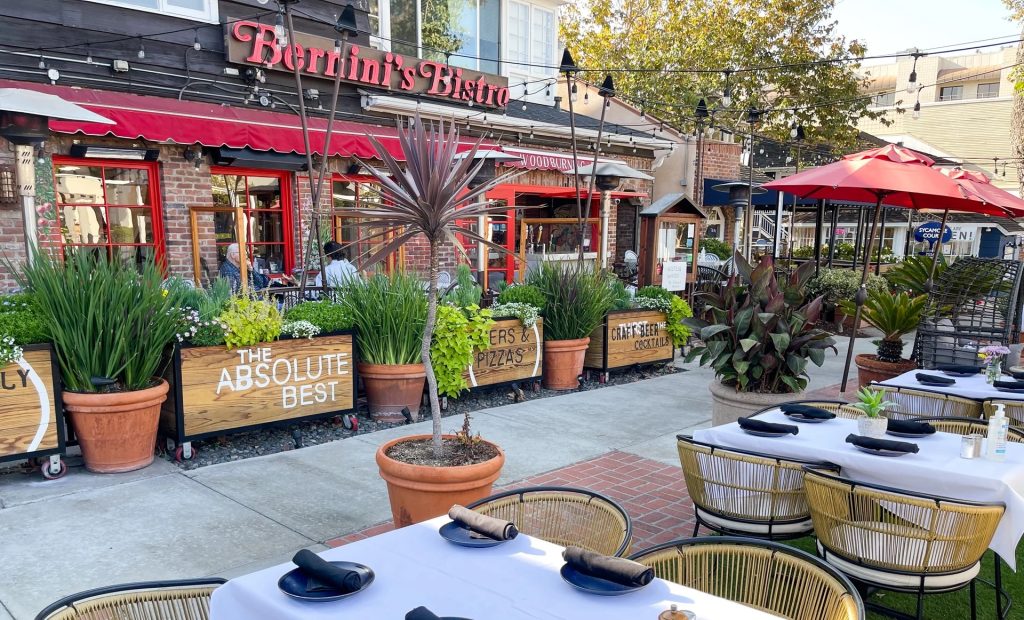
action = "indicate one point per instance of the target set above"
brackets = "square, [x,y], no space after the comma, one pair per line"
[117,431]
[727,405]
[563,363]
[870,369]
[421,492]
[391,388]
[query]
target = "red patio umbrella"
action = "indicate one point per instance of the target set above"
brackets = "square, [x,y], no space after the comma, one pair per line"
[891,175]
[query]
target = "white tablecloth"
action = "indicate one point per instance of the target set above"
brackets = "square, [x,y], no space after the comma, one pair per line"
[414,566]
[937,469]
[974,386]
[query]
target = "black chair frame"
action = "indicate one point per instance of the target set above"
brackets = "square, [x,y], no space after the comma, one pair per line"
[123,588]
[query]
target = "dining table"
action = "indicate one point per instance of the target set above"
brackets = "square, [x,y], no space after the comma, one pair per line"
[414,566]
[936,469]
[974,386]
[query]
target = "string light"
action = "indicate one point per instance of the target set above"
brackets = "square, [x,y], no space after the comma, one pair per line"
[912,81]
[916,114]
[196,45]
[573,94]
[142,49]
[88,55]
[524,106]
[42,62]
[727,91]
[279,30]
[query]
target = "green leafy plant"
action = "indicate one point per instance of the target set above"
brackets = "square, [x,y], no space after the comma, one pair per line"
[200,310]
[466,292]
[522,294]
[912,274]
[675,321]
[526,313]
[838,285]
[721,249]
[250,321]
[762,332]
[107,318]
[10,351]
[655,292]
[22,319]
[621,299]
[575,300]
[893,314]
[390,312]
[458,333]
[328,316]
[872,402]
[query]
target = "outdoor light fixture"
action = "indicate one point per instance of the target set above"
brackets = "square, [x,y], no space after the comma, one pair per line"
[142,49]
[797,132]
[912,81]
[753,116]
[279,30]
[916,114]
[88,55]
[196,45]
[573,93]
[701,111]
[568,65]
[607,87]
[21,128]
[347,21]
[95,151]
[42,61]
[727,91]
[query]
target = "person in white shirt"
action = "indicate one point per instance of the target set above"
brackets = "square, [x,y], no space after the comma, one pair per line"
[338,270]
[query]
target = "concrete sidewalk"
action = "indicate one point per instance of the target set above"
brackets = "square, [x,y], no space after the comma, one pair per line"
[85,530]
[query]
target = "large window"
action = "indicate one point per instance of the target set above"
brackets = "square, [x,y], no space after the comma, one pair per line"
[361,242]
[951,93]
[204,10]
[885,99]
[458,31]
[987,91]
[531,38]
[263,198]
[109,205]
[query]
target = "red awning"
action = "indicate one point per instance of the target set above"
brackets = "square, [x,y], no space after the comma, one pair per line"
[161,119]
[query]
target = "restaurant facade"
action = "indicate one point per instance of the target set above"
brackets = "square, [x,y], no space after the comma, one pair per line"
[206,142]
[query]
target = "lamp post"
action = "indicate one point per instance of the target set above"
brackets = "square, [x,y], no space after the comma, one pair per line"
[701,113]
[753,116]
[606,91]
[607,176]
[569,68]
[797,134]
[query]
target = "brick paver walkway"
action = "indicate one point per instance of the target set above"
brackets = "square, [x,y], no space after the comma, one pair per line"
[653,494]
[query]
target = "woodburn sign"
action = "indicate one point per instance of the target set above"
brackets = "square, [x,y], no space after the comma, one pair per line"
[254,43]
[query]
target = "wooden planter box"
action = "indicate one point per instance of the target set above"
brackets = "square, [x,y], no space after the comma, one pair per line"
[629,338]
[515,354]
[215,391]
[31,424]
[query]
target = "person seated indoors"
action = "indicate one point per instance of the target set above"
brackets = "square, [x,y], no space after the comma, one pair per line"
[338,271]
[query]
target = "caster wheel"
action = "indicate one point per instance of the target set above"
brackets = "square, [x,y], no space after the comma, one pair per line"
[51,475]
[353,422]
[179,454]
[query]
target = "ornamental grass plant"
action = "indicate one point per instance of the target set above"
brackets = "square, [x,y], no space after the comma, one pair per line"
[575,300]
[109,320]
[390,313]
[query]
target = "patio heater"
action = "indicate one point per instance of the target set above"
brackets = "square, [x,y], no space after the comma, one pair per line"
[740,195]
[607,176]
[486,173]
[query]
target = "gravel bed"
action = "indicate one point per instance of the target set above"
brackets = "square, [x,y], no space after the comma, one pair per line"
[282,438]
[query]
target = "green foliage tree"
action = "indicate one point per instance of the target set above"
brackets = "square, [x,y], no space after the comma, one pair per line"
[716,34]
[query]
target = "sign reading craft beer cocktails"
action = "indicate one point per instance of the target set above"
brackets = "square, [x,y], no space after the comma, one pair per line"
[254,43]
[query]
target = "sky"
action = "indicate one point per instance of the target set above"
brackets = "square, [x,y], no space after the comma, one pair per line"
[895,25]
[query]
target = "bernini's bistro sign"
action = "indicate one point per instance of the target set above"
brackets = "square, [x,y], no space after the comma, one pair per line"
[250,42]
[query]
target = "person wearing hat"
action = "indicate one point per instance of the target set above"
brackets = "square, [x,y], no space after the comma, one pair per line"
[338,271]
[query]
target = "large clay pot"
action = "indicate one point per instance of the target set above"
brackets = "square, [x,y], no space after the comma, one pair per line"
[727,405]
[421,492]
[116,430]
[563,363]
[869,369]
[391,388]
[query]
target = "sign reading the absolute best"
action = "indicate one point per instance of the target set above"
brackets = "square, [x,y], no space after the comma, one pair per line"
[514,354]
[28,408]
[225,389]
[628,338]
[255,43]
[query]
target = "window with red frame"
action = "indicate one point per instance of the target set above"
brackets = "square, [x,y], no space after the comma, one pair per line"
[264,197]
[109,204]
[360,241]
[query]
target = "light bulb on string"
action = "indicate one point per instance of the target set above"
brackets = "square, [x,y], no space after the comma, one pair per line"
[524,106]
[279,30]
[995,165]
[727,91]
[142,49]
[196,45]
[574,94]
[88,55]
[916,114]
[42,61]
[912,80]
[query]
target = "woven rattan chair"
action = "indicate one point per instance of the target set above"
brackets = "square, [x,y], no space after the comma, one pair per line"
[769,576]
[912,404]
[187,599]
[899,540]
[744,493]
[1013,409]
[967,426]
[565,516]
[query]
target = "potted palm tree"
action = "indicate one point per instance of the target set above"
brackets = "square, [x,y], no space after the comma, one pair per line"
[758,335]
[430,196]
[110,323]
[893,314]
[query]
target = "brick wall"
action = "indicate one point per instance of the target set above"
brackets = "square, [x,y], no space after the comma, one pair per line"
[721,160]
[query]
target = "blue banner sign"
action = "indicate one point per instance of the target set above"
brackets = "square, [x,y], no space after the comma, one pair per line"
[929,231]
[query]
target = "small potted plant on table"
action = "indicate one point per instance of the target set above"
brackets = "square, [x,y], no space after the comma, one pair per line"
[894,315]
[873,404]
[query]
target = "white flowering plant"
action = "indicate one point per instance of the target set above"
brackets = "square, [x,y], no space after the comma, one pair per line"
[526,313]
[10,352]
[300,329]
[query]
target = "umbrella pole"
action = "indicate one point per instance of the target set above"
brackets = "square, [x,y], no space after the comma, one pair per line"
[929,284]
[861,296]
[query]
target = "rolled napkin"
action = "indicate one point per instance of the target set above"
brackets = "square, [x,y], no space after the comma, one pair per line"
[806,411]
[618,570]
[924,377]
[964,368]
[1009,385]
[753,424]
[909,427]
[882,444]
[326,576]
[422,613]
[498,529]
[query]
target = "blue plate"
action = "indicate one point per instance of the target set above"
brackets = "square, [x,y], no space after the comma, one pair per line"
[294,582]
[594,585]
[459,535]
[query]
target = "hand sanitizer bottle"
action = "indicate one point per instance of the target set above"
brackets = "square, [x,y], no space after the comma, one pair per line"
[998,428]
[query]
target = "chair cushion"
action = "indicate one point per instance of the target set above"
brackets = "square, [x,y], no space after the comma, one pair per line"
[762,528]
[884,578]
